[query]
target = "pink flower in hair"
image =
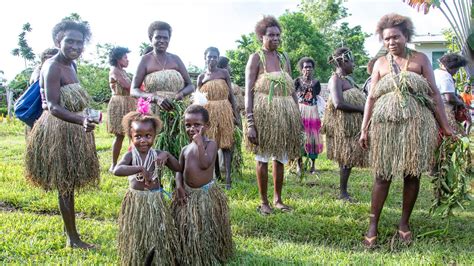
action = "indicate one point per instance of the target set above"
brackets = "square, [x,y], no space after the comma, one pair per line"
[143,106]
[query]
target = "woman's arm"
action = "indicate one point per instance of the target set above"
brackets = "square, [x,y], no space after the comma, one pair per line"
[52,83]
[117,75]
[251,73]
[369,106]
[335,89]
[138,79]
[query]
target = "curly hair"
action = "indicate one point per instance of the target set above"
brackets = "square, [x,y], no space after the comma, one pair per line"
[453,60]
[135,116]
[223,62]
[48,53]
[305,60]
[404,24]
[264,23]
[211,49]
[198,109]
[116,54]
[158,25]
[66,24]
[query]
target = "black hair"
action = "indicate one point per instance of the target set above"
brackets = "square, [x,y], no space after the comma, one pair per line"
[211,49]
[223,62]
[198,109]
[453,60]
[116,54]
[135,116]
[158,25]
[264,23]
[404,24]
[305,60]
[66,24]
[48,53]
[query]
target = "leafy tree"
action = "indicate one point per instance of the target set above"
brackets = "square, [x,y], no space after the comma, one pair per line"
[144,46]
[75,17]
[353,38]
[247,45]
[24,50]
[324,13]
[95,79]
[300,39]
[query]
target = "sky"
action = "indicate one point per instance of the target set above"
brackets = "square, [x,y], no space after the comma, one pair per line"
[197,24]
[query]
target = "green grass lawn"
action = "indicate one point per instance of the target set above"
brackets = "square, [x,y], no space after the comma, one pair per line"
[320,230]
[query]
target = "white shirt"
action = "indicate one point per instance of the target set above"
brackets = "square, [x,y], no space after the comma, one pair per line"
[444,81]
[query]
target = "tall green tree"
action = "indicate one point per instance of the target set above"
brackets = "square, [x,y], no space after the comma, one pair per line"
[324,13]
[24,50]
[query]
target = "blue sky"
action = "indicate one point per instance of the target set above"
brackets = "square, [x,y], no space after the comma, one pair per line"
[196,24]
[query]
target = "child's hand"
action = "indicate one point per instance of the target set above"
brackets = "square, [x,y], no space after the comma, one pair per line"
[146,177]
[182,195]
[162,158]
[197,138]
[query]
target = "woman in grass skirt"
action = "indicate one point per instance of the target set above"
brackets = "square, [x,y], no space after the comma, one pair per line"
[60,152]
[399,123]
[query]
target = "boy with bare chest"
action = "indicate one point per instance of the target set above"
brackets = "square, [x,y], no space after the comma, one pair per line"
[200,207]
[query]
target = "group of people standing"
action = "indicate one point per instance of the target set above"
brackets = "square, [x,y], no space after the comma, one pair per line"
[401,116]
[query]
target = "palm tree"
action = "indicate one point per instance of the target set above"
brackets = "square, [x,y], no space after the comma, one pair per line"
[459,15]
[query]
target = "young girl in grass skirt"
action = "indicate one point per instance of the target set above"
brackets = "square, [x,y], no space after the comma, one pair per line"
[343,118]
[145,222]
[200,207]
[215,84]
[121,103]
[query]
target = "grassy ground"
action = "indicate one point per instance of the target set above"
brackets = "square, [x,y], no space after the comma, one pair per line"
[320,230]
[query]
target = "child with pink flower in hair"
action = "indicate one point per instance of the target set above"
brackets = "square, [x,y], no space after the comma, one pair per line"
[145,223]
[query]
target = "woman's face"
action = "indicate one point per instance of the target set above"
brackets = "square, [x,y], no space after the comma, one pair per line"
[394,40]
[347,66]
[123,62]
[271,39]
[72,44]
[160,40]
[307,69]
[211,59]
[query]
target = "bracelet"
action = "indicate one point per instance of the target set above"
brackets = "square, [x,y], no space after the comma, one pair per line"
[249,115]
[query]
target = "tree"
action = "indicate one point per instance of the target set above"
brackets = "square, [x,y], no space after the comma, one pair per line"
[144,48]
[323,13]
[352,38]
[247,45]
[24,50]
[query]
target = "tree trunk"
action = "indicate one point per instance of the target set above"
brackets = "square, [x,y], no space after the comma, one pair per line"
[9,102]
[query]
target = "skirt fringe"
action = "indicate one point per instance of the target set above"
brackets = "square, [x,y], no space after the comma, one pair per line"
[145,222]
[204,227]
[117,108]
[61,155]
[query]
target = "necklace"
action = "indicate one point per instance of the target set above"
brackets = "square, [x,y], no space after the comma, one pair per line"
[158,61]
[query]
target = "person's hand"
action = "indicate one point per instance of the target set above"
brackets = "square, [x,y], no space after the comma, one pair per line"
[162,158]
[364,140]
[182,195]
[88,124]
[164,103]
[146,177]
[252,135]
[179,96]
[197,138]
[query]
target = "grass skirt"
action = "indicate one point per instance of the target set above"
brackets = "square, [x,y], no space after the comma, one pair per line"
[61,155]
[165,83]
[221,115]
[342,131]
[204,226]
[312,126]
[118,107]
[239,97]
[145,222]
[453,123]
[403,132]
[277,117]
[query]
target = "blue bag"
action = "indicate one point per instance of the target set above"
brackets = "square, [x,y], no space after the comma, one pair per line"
[28,107]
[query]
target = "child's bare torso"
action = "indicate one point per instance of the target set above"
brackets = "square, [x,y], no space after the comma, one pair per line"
[193,175]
